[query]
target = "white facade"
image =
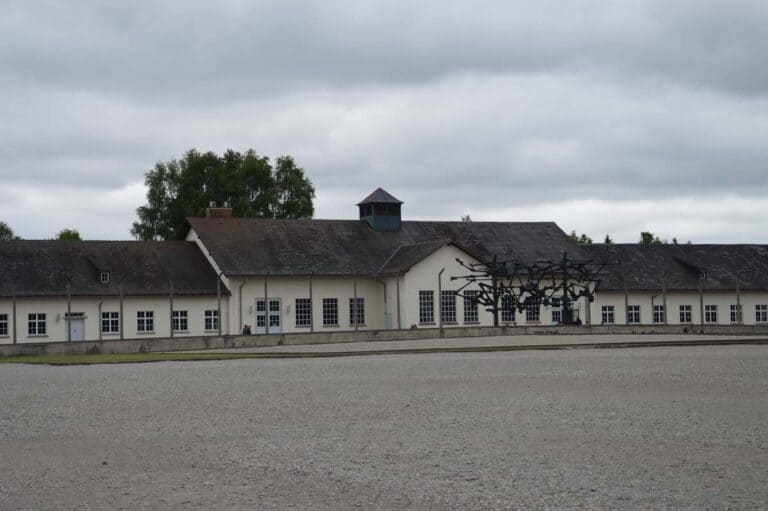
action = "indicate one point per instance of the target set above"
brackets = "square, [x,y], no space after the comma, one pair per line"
[716,306]
[49,318]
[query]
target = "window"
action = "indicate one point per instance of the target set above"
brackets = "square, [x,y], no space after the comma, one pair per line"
[180,323]
[761,313]
[261,315]
[3,325]
[145,321]
[507,311]
[110,322]
[357,311]
[426,307]
[330,312]
[211,320]
[658,314]
[470,307]
[532,310]
[607,314]
[633,314]
[303,312]
[735,313]
[685,314]
[557,311]
[710,313]
[448,307]
[36,324]
[104,277]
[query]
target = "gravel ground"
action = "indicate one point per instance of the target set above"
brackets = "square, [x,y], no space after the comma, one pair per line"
[631,429]
[502,340]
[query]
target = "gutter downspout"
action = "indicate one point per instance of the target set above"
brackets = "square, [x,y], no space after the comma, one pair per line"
[266,306]
[122,319]
[218,300]
[626,299]
[14,312]
[440,301]
[98,319]
[311,306]
[399,322]
[740,316]
[69,313]
[355,308]
[378,281]
[240,302]
[664,298]
[170,303]
[702,276]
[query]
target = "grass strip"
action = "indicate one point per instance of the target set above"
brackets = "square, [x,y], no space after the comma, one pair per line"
[130,358]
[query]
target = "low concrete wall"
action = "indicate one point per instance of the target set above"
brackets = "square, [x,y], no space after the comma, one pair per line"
[253,341]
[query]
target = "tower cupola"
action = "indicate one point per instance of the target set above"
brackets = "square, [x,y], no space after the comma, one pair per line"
[381,211]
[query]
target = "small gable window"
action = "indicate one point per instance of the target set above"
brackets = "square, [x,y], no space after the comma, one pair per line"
[104,277]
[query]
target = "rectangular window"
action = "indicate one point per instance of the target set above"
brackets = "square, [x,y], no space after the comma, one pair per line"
[145,321]
[710,313]
[104,277]
[761,313]
[211,320]
[448,307]
[507,311]
[470,307]
[180,322]
[426,307]
[633,314]
[303,312]
[330,312]
[36,324]
[557,311]
[3,325]
[357,311]
[532,310]
[685,314]
[735,313]
[110,322]
[658,314]
[607,314]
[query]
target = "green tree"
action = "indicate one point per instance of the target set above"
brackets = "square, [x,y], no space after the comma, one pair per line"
[466,218]
[183,188]
[648,238]
[582,239]
[69,235]
[6,233]
[608,240]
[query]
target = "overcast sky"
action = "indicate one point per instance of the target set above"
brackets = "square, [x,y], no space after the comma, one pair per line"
[604,116]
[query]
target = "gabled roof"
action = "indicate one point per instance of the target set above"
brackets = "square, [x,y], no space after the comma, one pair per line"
[257,246]
[43,268]
[644,267]
[406,256]
[380,196]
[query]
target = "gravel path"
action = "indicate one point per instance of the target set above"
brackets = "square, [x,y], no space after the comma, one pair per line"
[631,429]
[502,340]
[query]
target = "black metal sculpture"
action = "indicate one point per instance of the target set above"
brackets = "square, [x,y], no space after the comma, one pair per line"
[512,285]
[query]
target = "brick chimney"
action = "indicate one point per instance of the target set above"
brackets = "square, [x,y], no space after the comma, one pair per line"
[212,211]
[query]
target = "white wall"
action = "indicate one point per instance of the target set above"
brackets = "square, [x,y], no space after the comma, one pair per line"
[722,299]
[56,308]
[288,289]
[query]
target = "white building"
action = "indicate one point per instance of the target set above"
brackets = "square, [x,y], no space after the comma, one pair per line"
[375,272]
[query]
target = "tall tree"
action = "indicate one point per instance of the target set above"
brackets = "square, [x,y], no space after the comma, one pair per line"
[178,189]
[608,240]
[6,233]
[582,239]
[69,235]
[466,218]
[648,238]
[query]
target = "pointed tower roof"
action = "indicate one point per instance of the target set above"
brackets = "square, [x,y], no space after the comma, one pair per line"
[380,196]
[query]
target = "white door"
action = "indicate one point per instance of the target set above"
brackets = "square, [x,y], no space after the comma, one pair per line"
[274,314]
[77,329]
